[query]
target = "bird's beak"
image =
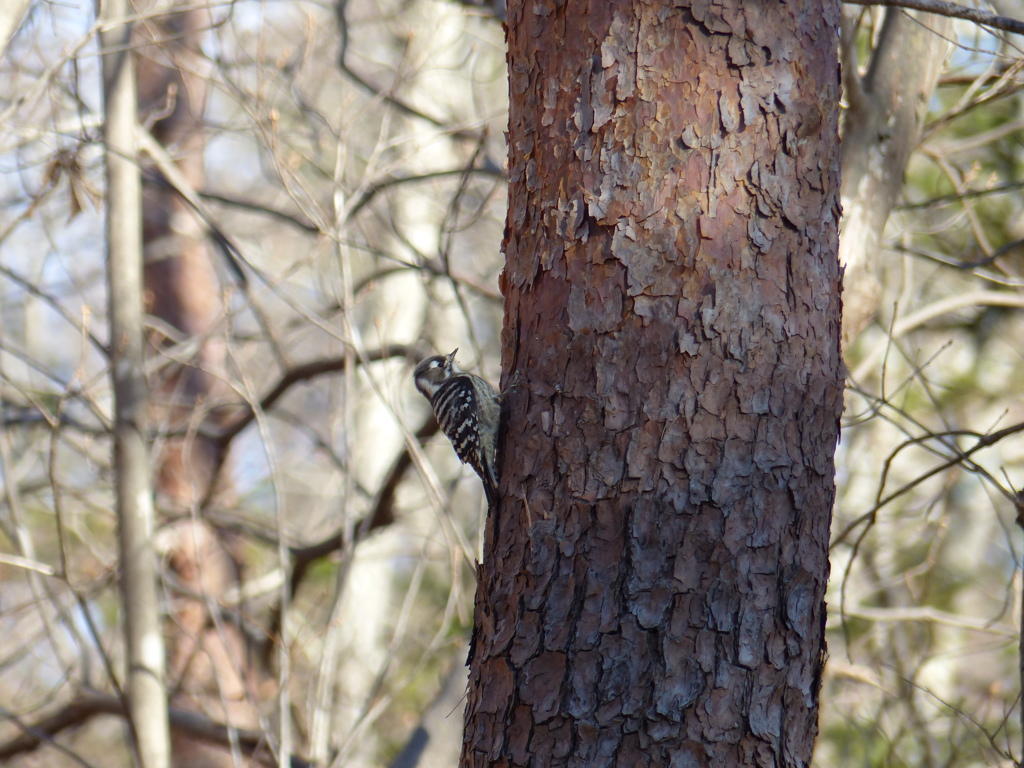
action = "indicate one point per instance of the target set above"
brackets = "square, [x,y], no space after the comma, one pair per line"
[451,355]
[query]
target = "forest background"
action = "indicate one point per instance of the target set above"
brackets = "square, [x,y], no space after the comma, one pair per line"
[318,580]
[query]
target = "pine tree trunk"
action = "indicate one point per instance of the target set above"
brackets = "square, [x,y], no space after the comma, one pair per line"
[207,661]
[652,586]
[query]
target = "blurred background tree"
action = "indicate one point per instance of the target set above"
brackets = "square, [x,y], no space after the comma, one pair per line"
[317,545]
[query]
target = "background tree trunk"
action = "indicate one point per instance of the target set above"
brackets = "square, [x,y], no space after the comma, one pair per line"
[881,130]
[11,15]
[652,587]
[207,660]
[146,664]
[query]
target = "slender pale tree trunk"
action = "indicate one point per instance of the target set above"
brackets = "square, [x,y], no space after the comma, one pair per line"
[653,580]
[12,13]
[147,695]
[887,108]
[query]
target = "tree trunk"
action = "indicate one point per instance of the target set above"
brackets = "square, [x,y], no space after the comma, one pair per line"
[653,580]
[207,660]
[11,15]
[146,663]
[880,132]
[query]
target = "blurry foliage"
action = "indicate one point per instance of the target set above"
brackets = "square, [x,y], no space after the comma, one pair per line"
[925,597]
[358,168]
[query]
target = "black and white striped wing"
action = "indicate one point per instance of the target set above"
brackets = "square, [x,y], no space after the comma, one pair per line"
[456,407]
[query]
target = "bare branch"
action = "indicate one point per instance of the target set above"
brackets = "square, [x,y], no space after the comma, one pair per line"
[90,704]
[960,457]
[953,11]
[304,372]
[380,516]
[487,169]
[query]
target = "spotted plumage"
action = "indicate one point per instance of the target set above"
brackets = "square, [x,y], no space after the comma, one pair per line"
[468,410]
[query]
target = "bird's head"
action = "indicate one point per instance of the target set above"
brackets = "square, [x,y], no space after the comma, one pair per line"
[432,372]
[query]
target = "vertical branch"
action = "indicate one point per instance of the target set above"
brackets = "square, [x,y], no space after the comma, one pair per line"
[323,714]
[145,647]
[881,130]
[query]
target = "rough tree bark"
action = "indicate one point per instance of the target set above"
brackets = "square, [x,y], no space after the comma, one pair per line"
[653,580]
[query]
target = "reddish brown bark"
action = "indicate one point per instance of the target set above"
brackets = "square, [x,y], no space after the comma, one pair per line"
[653,581]
[181,286]
[207,663]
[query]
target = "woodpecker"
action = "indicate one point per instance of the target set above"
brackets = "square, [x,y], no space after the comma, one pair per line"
[468,409]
